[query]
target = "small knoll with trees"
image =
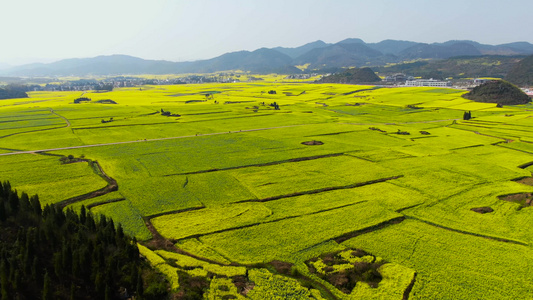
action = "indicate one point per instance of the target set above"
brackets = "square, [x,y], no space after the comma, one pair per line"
[522,73]
[498,91]
[352,76]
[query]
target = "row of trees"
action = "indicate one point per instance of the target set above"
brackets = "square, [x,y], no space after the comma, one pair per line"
[49,253]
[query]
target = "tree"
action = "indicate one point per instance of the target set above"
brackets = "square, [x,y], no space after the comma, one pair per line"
[3,214]
[47,290]
[36,205]
[4,281]
[14,203]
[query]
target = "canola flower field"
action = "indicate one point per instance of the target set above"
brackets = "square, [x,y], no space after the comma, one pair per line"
[226,183]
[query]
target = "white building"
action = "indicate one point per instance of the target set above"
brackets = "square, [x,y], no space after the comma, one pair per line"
[428,82]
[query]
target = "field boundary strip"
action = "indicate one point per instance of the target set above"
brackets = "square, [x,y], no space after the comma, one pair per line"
[122,125]
[291,160]
[145,140]
[327,189]
[62,117]
[349,235]
[100,203]
[111,186]
[267,222]
[499,239]
[173,212]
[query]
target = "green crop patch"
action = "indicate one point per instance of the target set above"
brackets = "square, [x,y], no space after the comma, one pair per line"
[457,265]
[128,216]
[278,240]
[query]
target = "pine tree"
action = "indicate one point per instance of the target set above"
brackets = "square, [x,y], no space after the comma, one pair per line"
[24,201]
[72,291]
[3,213]
[36,205]
[13,200]
[47,289]
[4,281]
[83,214]
[140,288]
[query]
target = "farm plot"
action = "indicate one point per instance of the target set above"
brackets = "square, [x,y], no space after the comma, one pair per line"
[282,239]
[310,175]
[44,138]
[128,216]
[47,177]
[452,265]
[238,215]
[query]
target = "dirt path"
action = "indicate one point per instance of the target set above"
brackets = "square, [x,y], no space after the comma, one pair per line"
[66,120]
[110,187]
[400,123]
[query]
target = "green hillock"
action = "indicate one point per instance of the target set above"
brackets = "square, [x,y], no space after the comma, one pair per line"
[522,73]
[498,91]
[353,75]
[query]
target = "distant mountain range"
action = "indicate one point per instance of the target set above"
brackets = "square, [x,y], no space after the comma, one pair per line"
[317,55]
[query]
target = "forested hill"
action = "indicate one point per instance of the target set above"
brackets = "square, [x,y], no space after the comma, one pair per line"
[352,76]
[498,91]
[54,254]
[522,73]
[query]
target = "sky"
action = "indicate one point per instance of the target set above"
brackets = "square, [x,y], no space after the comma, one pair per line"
[185,30]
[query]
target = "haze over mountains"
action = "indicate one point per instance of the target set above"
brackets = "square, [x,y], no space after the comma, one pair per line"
[315,55]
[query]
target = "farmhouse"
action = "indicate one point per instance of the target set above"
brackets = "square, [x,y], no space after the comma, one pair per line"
[428,82]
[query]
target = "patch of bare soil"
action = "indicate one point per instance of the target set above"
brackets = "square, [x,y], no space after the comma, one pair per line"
[282,267]
[312,143]
[158,241]
[525,180]
[482,210]
[524,199]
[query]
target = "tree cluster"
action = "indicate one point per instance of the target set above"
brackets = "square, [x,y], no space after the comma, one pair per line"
[275,105]
[467,115]
[81,99]
[168,113]
[48,253]
[13,91]
[522,73]
[352,76]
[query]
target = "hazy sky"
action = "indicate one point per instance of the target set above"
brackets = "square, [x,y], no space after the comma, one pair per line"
[180,30]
